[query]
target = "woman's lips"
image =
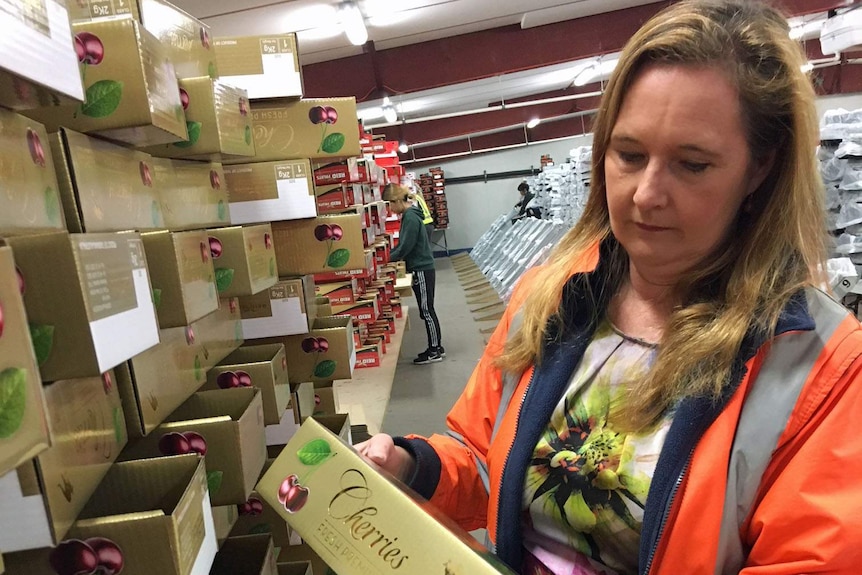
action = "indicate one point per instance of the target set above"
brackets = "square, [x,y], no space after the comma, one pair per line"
[648,228]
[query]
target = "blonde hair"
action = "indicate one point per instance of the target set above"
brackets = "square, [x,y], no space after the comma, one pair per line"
[779,239]
[392,192]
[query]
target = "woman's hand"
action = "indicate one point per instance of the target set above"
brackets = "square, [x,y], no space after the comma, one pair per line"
[383,452]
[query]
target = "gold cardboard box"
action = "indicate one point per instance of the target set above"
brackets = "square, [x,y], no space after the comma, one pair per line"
[39,502]
[325,400]
[187,38]
[260,366]
[286,308]
[104,313]
[301,400]
[224,518]
[295,568]
[219,333]
[257,517]
[319,245]
[248,555]
[244,259]
[324,306]
[84,10]
[335,500]
[198,197]
[327,352]
[105,187]
[217,119]
[24,422]
[38,64]
[165,528]
[265,66]
[226,426]
[29,194]
[270,191]
[319,128]
[130,89]
[181,270]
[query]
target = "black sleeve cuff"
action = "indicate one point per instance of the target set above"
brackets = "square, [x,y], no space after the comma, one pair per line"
[426,476]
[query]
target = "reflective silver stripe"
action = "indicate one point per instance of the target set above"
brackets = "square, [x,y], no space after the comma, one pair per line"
[510,381]
[481,466]
[764,417]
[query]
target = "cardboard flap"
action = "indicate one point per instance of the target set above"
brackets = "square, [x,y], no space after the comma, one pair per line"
[247,555]
[298,568]
[333,322]
[252,354]
[215,403]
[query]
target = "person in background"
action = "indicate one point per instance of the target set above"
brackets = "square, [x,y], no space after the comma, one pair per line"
[526,196]
[672,393]
[427,219]
[414,247]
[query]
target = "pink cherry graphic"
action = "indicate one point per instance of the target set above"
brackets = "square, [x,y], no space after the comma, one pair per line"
[227,380]
[73,557]
[174,443]
[197,443]
[109,555]
[323,232]
[337,232]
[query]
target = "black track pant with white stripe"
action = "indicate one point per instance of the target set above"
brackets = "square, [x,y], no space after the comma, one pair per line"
[423,288]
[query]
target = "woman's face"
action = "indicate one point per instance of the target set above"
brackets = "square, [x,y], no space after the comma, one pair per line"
[677,169]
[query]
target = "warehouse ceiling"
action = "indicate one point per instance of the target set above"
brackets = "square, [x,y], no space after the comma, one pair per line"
[466,76]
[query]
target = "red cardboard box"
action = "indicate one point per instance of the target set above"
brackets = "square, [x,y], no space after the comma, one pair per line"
[339,293]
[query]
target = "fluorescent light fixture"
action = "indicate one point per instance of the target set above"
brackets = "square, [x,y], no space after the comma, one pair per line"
[598,70]
[806,67]
[353,23]
[403,147]
[371,113]
[390,115]
[806,30]
[533,123]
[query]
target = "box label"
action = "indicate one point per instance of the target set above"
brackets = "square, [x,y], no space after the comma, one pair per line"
[291,179]
[109,287]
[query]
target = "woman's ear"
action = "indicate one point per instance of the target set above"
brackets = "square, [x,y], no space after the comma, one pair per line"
[760,168]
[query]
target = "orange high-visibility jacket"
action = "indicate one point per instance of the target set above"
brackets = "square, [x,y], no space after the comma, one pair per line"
[766,481]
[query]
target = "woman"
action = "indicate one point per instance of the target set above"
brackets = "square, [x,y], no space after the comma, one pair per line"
[414,247]
[671,393]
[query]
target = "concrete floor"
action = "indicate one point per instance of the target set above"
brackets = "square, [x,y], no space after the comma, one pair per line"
[422,394]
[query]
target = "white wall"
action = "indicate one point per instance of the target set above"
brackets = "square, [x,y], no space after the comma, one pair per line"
[474,206]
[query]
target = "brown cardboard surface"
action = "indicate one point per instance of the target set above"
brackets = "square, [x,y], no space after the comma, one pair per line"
[266,66]
[39,503]
[317,496]
[31,200]
[130,88]
[260,366]
[248,555]
[286,308]
[197,196]
[224,518]
[244,259]
[188,40]
[301,554]
[325,401]
[306,361]
[324,306]
[47,70]
[24,429]
[181,271]
[105,187]
[230,421]
[103,316]
[218,333]
[309,246]
[301,400]
[270,191]
[217,119]
[297,129]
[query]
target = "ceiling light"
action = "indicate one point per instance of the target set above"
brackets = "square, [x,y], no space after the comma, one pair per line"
[809,30]
[403,147]
[353,23]
[597,71]
[390,115]
[533,123]
[806,67]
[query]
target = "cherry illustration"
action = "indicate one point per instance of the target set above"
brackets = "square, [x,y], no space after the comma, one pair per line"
[2,321]
[146,175]
[289,482]
[184,98]
[20,280]
[267,241]
[197,443]
[215,180]
[232,305]
[244,378]
[317,399]
[337,232]
[205,253]
[331,114]
[318,115]
[322,344]
[243,107]
[107,383]
[284,363]
[108,553]
[215,247]
[174,443]
[205,38]
[310,345]
[227,380]
[323,232]
[36,150]
[252,507]
[296,498]
[190,335]
[73,557]
[89,48]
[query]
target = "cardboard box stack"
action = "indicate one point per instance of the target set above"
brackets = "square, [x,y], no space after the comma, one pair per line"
[433,186]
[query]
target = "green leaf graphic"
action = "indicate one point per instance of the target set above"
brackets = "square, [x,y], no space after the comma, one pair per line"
[52,205]
[194,129]
[198,368]
[237,332]
[271,267]
[222,210]
[211,70]
[13,400]
[314,452]
[214,479]
[102,99]
[156,213]
[157,297]
[333,142]
[248,135]
[325,369]
[338,258]
[43,341]
[260,529]
[223,277]
[119,425]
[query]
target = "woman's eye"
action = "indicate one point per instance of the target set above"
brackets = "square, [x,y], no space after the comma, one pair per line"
[630,157]
[695,167]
